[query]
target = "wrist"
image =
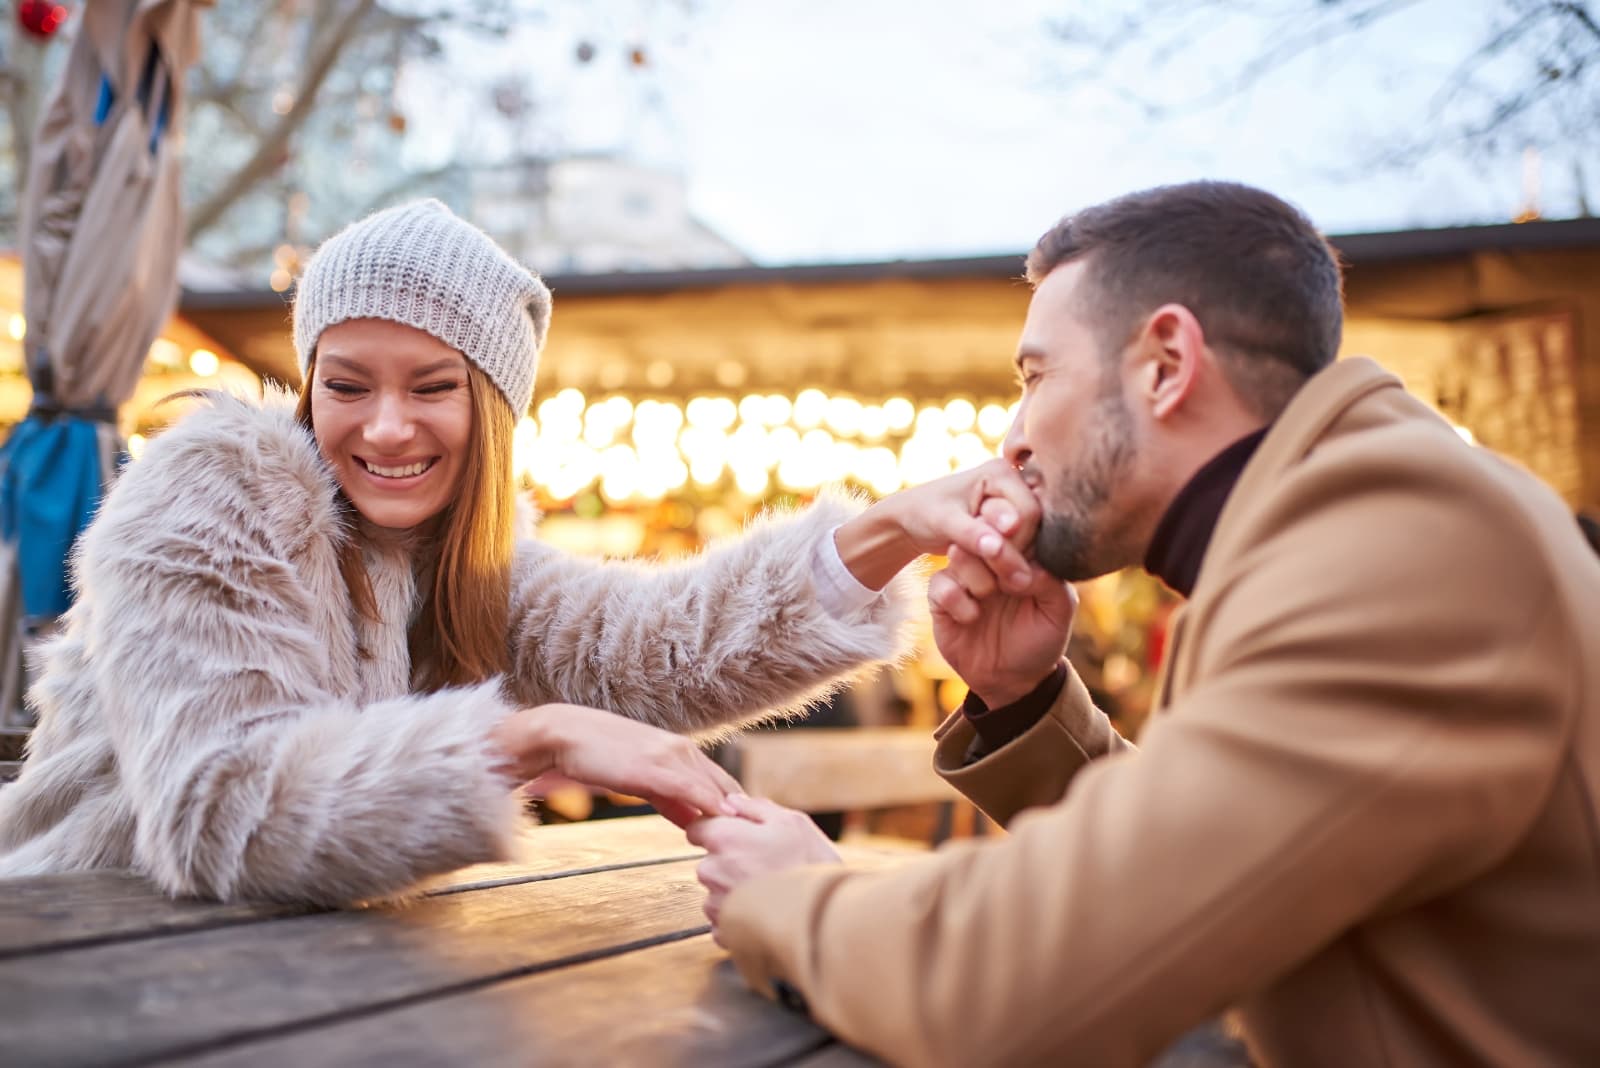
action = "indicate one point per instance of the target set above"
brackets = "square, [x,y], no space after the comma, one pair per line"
[530,741]
[1000,692]
[873,545]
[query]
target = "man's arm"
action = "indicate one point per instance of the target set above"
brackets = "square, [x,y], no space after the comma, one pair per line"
[1028,725]
[1031,761]
[1365,737]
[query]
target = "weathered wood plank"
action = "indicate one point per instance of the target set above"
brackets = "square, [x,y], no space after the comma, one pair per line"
[132,1002]
[828,769]
[669,1005]
[50,912]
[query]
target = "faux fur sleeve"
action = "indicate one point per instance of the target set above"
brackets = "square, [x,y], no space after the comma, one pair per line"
[248,778]
[734,635]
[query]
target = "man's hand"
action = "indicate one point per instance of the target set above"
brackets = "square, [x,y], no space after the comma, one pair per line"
[1001,644]
[763,837]
[600,749]
[932,517]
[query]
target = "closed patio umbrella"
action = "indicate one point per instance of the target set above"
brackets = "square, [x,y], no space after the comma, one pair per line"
[100,237]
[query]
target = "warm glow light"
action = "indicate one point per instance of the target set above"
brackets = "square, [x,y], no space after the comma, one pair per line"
[960,415]
[876,467]
[204,362]
[17,327]
[900,413]
[621,409]
[844,416]
[647,450]
[752,481]
[135,445]
[1466,435]
[279,280]
[717,413]
[874,422]
[164,353]
[524,447]
[776,409]
[993,422]
[809,408]
[751,408]
[970,451]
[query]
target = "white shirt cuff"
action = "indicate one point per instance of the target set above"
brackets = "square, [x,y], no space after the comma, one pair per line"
[838,591]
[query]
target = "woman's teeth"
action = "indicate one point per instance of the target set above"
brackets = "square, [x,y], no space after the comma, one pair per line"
[399,472]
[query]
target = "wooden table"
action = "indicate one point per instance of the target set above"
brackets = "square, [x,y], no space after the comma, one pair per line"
[592,952]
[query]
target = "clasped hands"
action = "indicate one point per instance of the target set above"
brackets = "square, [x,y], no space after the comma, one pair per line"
[999,619]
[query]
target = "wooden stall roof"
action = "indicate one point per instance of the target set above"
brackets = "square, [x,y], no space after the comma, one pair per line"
[913,325]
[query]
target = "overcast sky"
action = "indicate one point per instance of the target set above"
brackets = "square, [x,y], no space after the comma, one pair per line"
[837,130]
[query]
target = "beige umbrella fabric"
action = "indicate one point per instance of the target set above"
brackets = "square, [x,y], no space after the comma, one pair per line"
[101,233]
[102,222]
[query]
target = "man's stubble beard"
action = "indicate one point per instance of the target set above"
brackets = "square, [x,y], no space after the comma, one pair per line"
[1072,544]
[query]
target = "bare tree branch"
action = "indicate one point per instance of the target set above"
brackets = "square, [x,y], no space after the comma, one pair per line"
[270,151]
[1530,78]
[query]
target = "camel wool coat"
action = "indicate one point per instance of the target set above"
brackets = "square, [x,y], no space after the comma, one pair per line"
[216,716]
[1364,814]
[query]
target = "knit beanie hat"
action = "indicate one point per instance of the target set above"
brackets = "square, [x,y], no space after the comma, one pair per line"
[421,265]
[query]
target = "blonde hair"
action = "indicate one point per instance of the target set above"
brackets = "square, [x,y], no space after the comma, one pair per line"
[459,637]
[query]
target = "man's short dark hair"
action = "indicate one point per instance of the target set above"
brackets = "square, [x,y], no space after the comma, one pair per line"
[1264,284]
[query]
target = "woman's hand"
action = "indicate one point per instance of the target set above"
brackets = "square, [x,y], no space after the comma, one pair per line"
[605,751]
[987,511]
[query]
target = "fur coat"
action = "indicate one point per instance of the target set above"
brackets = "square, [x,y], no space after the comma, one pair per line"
[216,716]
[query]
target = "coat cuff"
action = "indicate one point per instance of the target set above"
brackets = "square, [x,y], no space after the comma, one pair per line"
[1035,767]
[998,726]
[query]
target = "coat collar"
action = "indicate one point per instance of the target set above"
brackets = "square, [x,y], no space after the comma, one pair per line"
[1321,401]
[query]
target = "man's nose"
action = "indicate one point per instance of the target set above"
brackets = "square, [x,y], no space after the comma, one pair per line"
[1015,447]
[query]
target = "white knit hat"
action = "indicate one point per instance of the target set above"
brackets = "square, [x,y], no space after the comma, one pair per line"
[421,265]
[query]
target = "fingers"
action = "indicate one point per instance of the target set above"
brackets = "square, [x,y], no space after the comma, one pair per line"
[1056,598]
[697,781]
[730,786]
[946,597]
[761,809]
[685,816]
[973,574]
[550,781]
[1005,501]
[712,876]
[981,541]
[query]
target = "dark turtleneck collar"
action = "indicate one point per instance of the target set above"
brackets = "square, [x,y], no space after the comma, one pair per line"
[1185,530]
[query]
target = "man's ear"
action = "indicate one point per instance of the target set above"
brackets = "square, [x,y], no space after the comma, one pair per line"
[1172,345]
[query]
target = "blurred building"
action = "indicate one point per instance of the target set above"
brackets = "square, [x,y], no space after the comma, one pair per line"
[672,404]
[594,214]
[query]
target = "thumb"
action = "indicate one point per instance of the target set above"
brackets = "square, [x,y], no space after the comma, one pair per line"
[1053,595]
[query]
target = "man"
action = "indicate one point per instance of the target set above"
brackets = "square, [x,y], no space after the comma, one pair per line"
[1365,812]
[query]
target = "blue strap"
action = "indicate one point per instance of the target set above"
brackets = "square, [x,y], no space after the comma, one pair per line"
[49,489]
[108,99]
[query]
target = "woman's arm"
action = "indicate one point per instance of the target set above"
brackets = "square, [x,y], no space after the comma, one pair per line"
[740,632]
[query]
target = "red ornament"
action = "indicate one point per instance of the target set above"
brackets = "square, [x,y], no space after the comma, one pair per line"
[39,18]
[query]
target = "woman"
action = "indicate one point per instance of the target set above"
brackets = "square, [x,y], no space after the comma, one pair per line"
[310,661]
